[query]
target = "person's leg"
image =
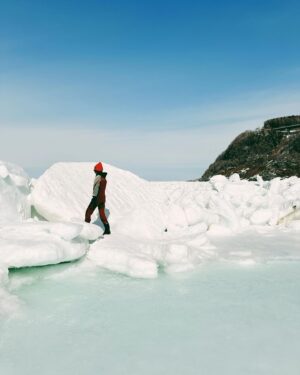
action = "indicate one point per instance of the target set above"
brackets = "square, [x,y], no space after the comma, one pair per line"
[89,211]
[103,218]
[102,213]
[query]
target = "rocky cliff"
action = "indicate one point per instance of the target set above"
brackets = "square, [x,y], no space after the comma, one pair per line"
[272,151]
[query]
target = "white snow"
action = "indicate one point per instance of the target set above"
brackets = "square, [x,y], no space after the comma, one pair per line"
[64,191]
[38,244]
[25,242]
[33,243]
[124,255]
[14,190]
[167,226]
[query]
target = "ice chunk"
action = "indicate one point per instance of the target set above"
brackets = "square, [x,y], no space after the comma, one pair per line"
[294,224]
[218,182]
[36,244]
[3,171]
[176,254]
[194,214]
[122,260]
[67,231]
[260,180]
[90,232]
[14,189]
[261,216]
[179,267]
[176,216]
[235,177]
[198,241]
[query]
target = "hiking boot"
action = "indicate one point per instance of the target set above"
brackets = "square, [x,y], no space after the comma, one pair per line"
[106,229]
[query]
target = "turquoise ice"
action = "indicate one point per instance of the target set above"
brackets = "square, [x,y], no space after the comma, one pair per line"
[220,319]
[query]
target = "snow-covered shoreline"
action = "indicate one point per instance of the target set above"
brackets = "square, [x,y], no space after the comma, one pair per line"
[171,226]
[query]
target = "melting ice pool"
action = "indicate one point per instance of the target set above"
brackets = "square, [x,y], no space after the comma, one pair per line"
[220,319]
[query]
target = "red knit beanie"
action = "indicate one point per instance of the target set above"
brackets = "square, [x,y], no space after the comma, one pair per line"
[98,167]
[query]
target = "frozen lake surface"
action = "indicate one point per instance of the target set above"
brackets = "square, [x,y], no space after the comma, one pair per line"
[220,319]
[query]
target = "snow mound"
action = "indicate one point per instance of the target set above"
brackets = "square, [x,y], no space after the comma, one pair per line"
[64,191]
[14,190]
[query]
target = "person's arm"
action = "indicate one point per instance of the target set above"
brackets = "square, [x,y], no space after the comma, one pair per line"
[101,192]
[96,186]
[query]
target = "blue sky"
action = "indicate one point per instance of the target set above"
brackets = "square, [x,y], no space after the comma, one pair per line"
[158,87]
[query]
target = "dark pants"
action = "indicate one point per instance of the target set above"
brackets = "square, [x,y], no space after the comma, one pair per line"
[91,208]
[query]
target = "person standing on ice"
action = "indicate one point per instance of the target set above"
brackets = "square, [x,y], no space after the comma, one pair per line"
[98,199]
